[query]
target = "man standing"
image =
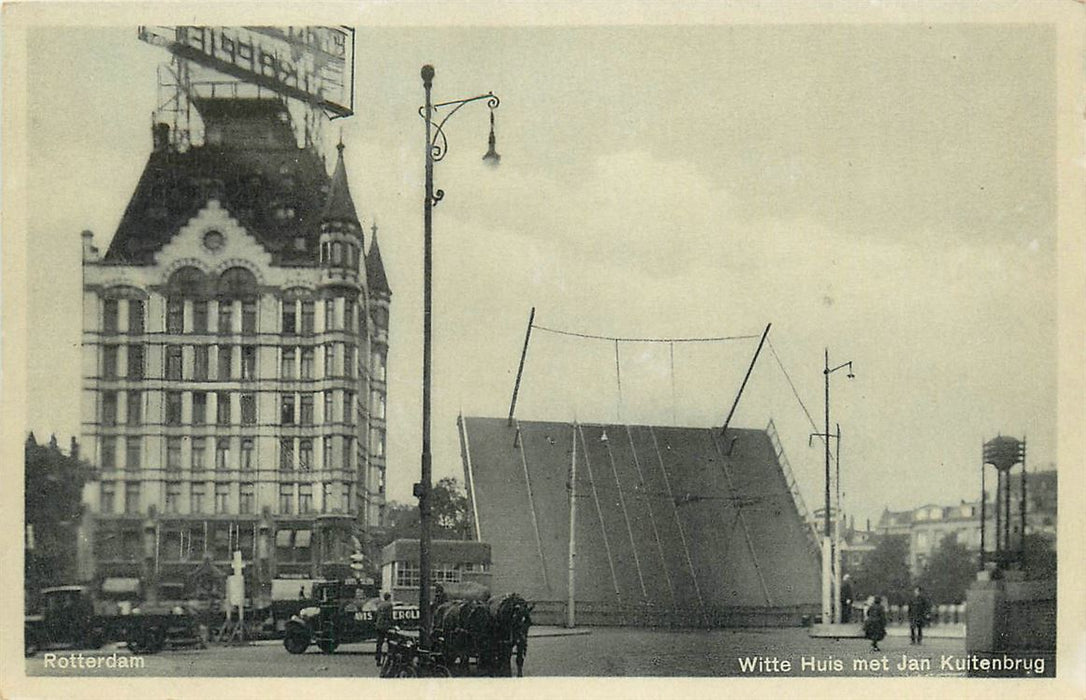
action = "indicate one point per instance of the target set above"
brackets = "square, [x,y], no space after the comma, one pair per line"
[919,610]
[846,599]
[383,622]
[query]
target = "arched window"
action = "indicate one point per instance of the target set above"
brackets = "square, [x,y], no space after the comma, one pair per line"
[237,283]
[188,282]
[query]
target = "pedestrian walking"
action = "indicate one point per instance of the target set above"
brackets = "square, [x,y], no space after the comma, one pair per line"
[846,599]
[875,624]
[383,623]
[919,614]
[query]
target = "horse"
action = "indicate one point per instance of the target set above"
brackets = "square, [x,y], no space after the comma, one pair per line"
[466,629]
[511,617]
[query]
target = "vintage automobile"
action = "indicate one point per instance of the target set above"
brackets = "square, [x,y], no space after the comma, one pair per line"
[340,616]
[74,616]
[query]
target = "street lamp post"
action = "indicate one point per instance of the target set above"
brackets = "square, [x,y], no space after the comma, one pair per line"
[827,547]
[436,146]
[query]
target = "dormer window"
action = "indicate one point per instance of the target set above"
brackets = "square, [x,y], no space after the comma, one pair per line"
[284,213]
[299,243]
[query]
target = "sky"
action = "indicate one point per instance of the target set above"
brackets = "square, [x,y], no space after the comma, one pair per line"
[888,192]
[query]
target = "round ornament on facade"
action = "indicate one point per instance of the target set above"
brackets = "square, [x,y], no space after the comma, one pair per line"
[214,240]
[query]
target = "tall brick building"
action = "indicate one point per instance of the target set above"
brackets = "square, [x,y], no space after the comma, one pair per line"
[235,343]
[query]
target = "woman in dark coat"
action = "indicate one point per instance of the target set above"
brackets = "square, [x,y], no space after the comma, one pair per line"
[875,624]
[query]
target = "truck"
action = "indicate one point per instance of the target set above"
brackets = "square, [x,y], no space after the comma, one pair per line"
[341,612]
[75,616]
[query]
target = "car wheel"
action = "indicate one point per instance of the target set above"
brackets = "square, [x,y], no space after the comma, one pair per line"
[296,642]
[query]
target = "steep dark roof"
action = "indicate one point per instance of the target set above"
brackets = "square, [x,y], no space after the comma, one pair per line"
[375,269]
[252,164]
[340,206]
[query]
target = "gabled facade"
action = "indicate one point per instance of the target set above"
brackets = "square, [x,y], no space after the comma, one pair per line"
[234,360]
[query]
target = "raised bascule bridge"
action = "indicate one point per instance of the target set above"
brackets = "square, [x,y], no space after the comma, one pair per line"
[648,525]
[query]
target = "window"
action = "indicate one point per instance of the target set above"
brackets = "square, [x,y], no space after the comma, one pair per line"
[337,253]
[305,498]
[175,315]
[348,406]
[109,408]
[173,454]
[135,316]
[199,407]
[350,359]
[248,409]
[290,318]
[225,353]
[222,498]
[307,317]
[248,362]
[200,362]
[348,452]
[245,503]
[135,362]
[305,455]
[108,495]
[132,497]
[109,361]
[306,409]
[247,454]
[329,314]
[407,574]
[326,499]
[226,316]
[173,362]
[377,359]
[222,407]
[289,355]
[222,453]
[132,453]
[377,443]
[286,409]
[286,453]
[307,363]
[248,316]
[330,360]
[348,314]
[347,500]
[196,494]
[327,461]
[109,316]
[109,452]
[378,407]
[445,573]
[173,496]
[173,408]
[286,503]
[199,316]
[134,403]
[199,454]
[328,406]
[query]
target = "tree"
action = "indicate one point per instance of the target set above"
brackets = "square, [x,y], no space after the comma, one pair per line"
[885,571]
[949,572]
[53,504]
[448,508]
[1038,558]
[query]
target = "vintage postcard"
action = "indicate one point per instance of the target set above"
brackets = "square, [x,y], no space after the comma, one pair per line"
[458,348]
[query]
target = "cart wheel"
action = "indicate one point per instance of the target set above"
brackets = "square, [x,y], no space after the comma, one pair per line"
[438,671]
[296,642]
[404,671]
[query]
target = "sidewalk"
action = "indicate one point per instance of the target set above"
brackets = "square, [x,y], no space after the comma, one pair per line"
[545,631]
[855,631]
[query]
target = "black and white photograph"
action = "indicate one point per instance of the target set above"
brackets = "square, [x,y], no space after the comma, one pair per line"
[531,342]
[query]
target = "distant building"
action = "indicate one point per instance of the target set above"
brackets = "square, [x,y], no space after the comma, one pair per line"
[235,340]
[927,526]
[456,565]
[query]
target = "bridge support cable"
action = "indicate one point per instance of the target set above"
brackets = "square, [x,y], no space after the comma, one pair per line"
[531,508]
[599,512]
[470,475]
[520,367]
[735,404]
[814,536]
[652,518]
[626,517]
[618,382]
[739,510]
[679,524]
